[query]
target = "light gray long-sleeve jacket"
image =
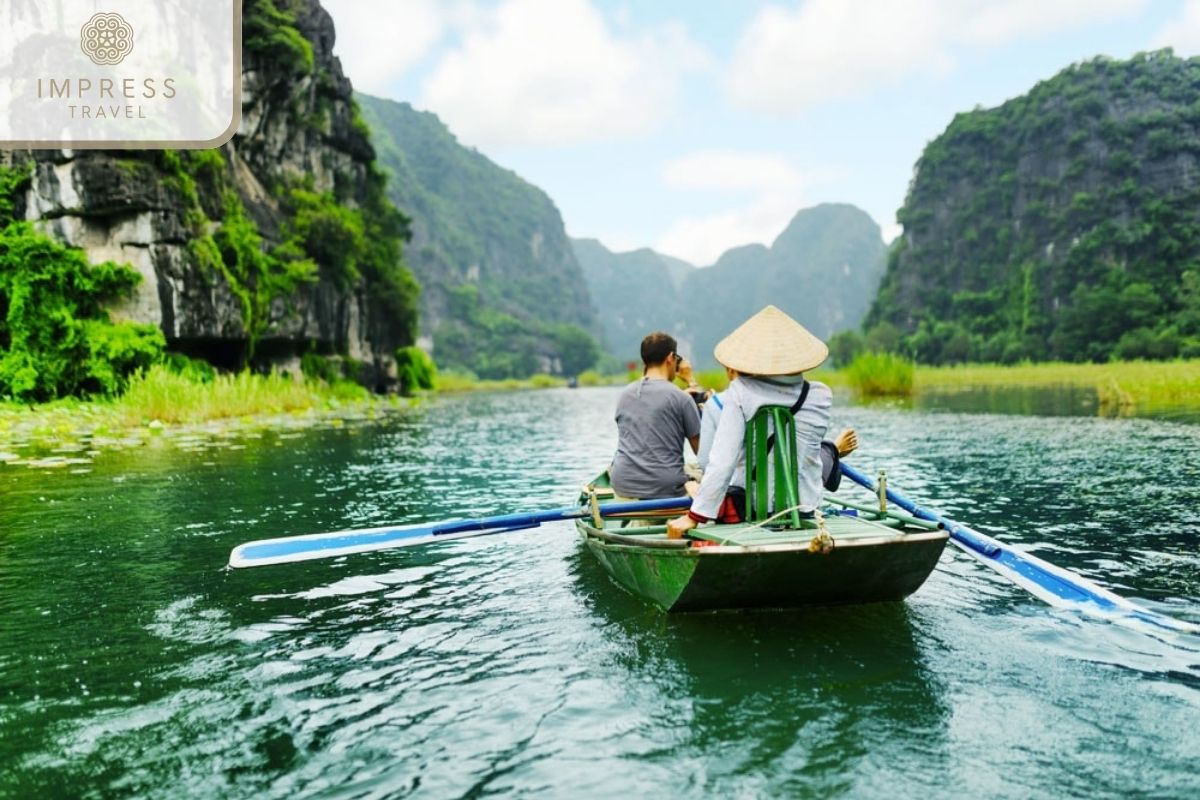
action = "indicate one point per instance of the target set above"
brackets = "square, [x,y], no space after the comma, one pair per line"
[726,456]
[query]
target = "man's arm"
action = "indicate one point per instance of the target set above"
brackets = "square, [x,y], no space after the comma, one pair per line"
[691,420]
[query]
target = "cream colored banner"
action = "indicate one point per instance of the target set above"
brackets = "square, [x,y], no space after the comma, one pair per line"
[119,73]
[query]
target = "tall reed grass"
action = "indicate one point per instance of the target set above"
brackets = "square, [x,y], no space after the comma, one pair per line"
[452,381]
[160,394]
[593,378]
[881,375]
[1118,384]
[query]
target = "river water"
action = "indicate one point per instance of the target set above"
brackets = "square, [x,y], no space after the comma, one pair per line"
[133,663]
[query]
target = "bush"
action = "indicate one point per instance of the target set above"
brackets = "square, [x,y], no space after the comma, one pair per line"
[55,337]
[415,369]
[191,368]
[881,375]
[1144,343]
[319,368]
[117,351]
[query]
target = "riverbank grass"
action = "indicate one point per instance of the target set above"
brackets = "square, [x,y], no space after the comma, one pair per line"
[161,404]
[160,394]
[1118,384]
[452,382]
[881,375]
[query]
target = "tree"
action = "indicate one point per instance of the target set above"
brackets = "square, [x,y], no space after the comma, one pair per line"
[883,338]
[844,347]
[577,349]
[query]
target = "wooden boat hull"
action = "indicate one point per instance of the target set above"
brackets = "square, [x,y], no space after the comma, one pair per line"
[700,579]
[875,557]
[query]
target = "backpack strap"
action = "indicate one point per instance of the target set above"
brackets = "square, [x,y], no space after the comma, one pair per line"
[796,406]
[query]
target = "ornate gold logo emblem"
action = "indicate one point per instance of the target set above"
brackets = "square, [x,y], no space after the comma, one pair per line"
[106,39]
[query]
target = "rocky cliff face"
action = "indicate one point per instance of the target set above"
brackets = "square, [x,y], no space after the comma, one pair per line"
[1062,224]
[502,292]
[206,231]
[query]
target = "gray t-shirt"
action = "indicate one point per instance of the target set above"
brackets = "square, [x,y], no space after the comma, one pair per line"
[654,418]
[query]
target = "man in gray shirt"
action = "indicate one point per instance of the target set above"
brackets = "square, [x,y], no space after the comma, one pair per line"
[654,419]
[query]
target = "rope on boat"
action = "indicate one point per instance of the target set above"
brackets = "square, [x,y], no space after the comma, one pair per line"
[821,543]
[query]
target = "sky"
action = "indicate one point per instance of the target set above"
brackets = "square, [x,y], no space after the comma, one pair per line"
[695,126]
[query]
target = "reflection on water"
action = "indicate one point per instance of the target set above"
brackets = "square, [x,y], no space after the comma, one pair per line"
[823,691]
[134,664]
[1048,401]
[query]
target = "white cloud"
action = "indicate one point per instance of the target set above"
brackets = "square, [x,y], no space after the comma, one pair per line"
[997,23]
[891,232]
[777,188]
[379,40]
[788,59]
[550,72]
[1183,32]
[702,240]
[728,170]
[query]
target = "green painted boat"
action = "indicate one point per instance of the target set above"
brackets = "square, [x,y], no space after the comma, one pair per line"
[851,554]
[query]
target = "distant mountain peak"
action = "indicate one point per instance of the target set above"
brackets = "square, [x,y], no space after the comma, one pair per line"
[823,270]
[502,293]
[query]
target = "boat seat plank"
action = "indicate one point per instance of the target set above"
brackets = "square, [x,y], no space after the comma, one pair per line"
[840,528]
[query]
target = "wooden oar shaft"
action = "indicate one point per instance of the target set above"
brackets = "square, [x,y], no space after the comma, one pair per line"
[1053,584]
[308,547]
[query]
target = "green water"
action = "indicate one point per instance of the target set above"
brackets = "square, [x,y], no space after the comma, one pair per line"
[133,663]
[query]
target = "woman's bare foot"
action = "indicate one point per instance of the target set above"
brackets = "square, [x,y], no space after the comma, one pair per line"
[846,442]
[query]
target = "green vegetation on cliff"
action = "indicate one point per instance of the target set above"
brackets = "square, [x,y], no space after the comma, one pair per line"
[350,236]
[279,244]
[55,337]
[502,294]
[270,33]
[1064,224]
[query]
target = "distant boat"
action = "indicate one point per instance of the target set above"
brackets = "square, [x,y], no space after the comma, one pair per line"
[572,382]
[857,555]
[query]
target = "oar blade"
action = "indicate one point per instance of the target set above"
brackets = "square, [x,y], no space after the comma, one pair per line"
[1050,583]
[288,549]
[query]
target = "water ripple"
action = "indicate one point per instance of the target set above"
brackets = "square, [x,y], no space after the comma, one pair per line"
[513,665]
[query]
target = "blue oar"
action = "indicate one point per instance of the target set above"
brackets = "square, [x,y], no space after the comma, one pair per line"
[1055,585]
[343,543]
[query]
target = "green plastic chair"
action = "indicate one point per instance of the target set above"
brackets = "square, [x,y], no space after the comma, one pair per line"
[771,449]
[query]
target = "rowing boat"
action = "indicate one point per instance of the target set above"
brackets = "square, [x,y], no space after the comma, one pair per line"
[850,553]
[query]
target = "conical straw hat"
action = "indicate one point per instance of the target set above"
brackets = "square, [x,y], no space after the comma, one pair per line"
[771,343]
